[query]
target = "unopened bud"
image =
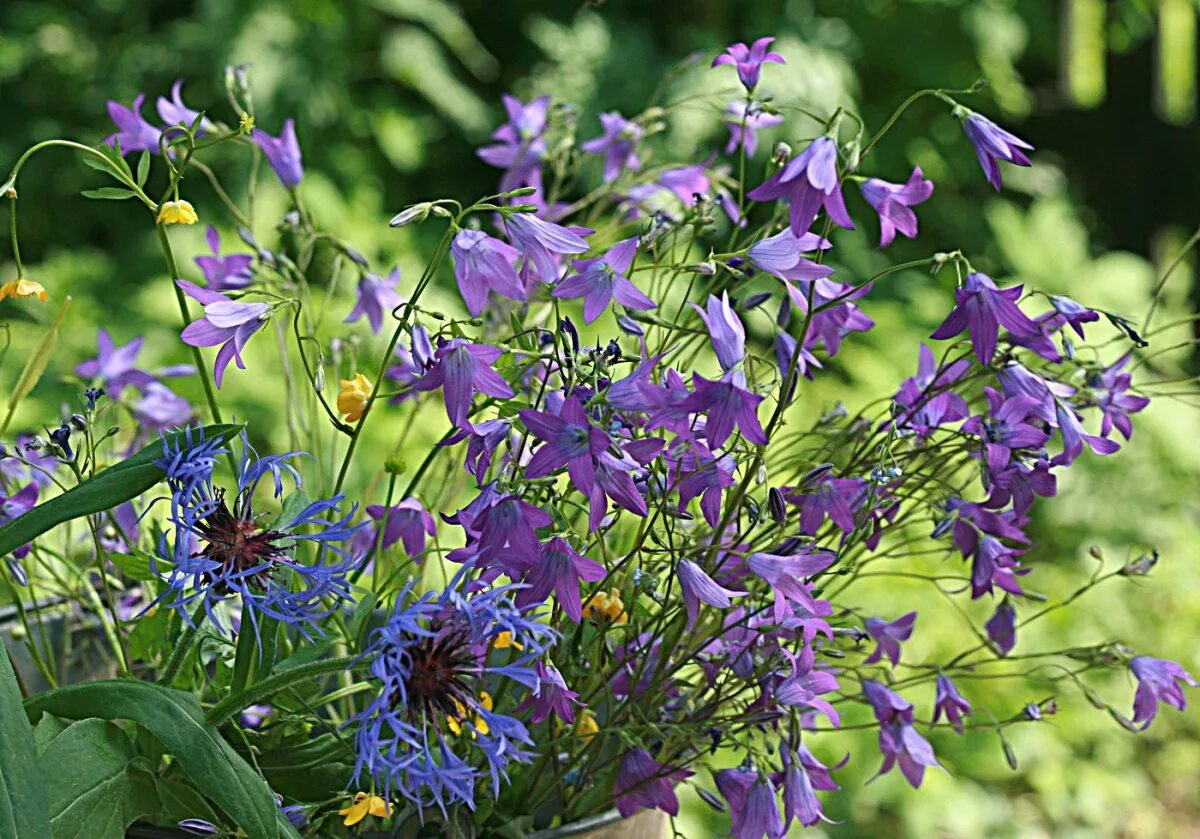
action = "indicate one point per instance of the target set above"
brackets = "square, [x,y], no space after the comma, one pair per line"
[1096,553]
[395,465]
[415,214]
[781,154]
[11,192]
[704,269]
[853,152]
[520,193]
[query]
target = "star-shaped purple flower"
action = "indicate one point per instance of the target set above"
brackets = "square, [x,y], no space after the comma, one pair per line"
[749,60]
[483,264]
[602,279]
[894,203]
[224,273]
[809,181]
[982,309]
[376,295]
[618,144]
[888,636]
[462,369]
[226,322]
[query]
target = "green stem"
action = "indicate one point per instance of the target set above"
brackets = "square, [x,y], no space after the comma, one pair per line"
[231,705]
[182,647]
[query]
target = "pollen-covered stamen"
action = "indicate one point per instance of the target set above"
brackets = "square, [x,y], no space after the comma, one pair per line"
[238,545]
[437,665]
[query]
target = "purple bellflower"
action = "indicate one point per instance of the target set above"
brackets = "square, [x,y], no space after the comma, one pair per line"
[744,125]
[282,152]
[1115,401]
[749,60]
[134,133]
[643,783]
[408,522]
[899,741]
[809,181]
[992,144]
[1158,681]
[726,330]
[1002,627]
[12,507]
[483,264]
[568,439]
[727,403]
[173,111]
[116,367]
[781,256]
[888,636]
[540,243]
[227,323]
[697,586]
[560,570]
[618,144]
[602,279]
[520,147]
[894,203]
[376,296]
[552,696]
[982,309]
[802,775]
[224,273]
[752,803]
[786,576]
[950,703]
[462,369]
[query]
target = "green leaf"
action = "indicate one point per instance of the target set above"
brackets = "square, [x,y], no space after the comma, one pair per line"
[47,729]
[143,171]
[292,507]
[22,794]
[86,771]
[112,193]
[115,485]
[176,719]
[136,566]
[149,635]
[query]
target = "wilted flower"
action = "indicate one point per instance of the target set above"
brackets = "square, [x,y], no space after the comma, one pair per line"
[21,287]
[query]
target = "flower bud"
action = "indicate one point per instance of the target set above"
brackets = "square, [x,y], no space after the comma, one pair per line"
[777,505]
[415,213]
[704,269]
[395,465]
[781,154]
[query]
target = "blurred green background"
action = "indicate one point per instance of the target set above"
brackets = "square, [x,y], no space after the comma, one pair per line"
[391,97]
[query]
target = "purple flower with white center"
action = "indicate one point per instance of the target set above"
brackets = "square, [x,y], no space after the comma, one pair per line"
[483,264]
[552,696]
[726,330]
[1002,627]
[376,296]
[744,125]
[888,636]
[992,144]
[134,133]
[727,403]
[644,783]
[173,111]
[569,439]
[782,256]
[282,152]
[407,522]
[1159,680]
[221,552]
[227,323]
[950,703]
[749,60]
[541,243]
[982,308]
[224,273]
[560,570]
[602,279]
[520,147]
[786,576]
[802,775]
[894,203]
[1115,401]
[697,586]
[462,369]
[809,182]
[752,803]
[431,663]
[618,144]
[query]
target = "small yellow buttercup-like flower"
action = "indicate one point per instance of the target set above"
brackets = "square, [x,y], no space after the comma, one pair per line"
[504,640]
[606,605]
[364,804]
[352,398]
[586,726]
[177,212]
[21,287]
[454,722]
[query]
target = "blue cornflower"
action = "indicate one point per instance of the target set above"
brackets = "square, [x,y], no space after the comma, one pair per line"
[431,734]
[220,550]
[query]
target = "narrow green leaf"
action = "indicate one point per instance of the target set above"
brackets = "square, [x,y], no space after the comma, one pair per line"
[136,566]
[143,171]
[36,365]
[111,193]
[115,485]
[22,794]
[176,719]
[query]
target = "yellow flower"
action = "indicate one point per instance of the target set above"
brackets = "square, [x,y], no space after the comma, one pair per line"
[454,721]
[177,212]
[504,640]
[364,804]
[607,605]
[21,287]
[586,726]
[352,398]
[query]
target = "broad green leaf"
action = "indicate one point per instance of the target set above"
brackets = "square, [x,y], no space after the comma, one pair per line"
[310,771]
[115,485]
[136,566]
[149,635]
[111,193]
[47,729]
[85,769]
[176,719]
[22,795]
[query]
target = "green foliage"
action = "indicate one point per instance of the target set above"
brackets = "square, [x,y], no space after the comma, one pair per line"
[23,810]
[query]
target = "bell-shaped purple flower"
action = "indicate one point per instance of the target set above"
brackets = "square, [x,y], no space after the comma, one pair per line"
[727,403]
[600,280]
[802,775]
[560,570]
[809,182]
[461,370]
[618,144]
[283,153]
[1002,627]
[1115,400]
[483,264]
[519,146]
[408,522]
[950,702]
[726,330]
[753,808]
[1159,680]
[744,125]
[992,144]
[889,635]
[786,576]
[376,295]
[133,131]
[749,60]
[782,256]
[551,696]
[644,783]
[541,242]
[224,273]
[226,322]
[894,203]
[568,439]
[173,111]
[697,586]
[982,309]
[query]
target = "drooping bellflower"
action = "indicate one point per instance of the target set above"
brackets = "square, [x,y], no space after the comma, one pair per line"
[227,323]
[376,296]
[992,144]
[618,144]
[888,636]
[1158,681]
[894,203]
[133,133]
[644,783]
[282,152]
[483,264]
[809,181]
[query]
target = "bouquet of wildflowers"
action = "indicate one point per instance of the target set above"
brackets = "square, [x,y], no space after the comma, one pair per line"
[634,561]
